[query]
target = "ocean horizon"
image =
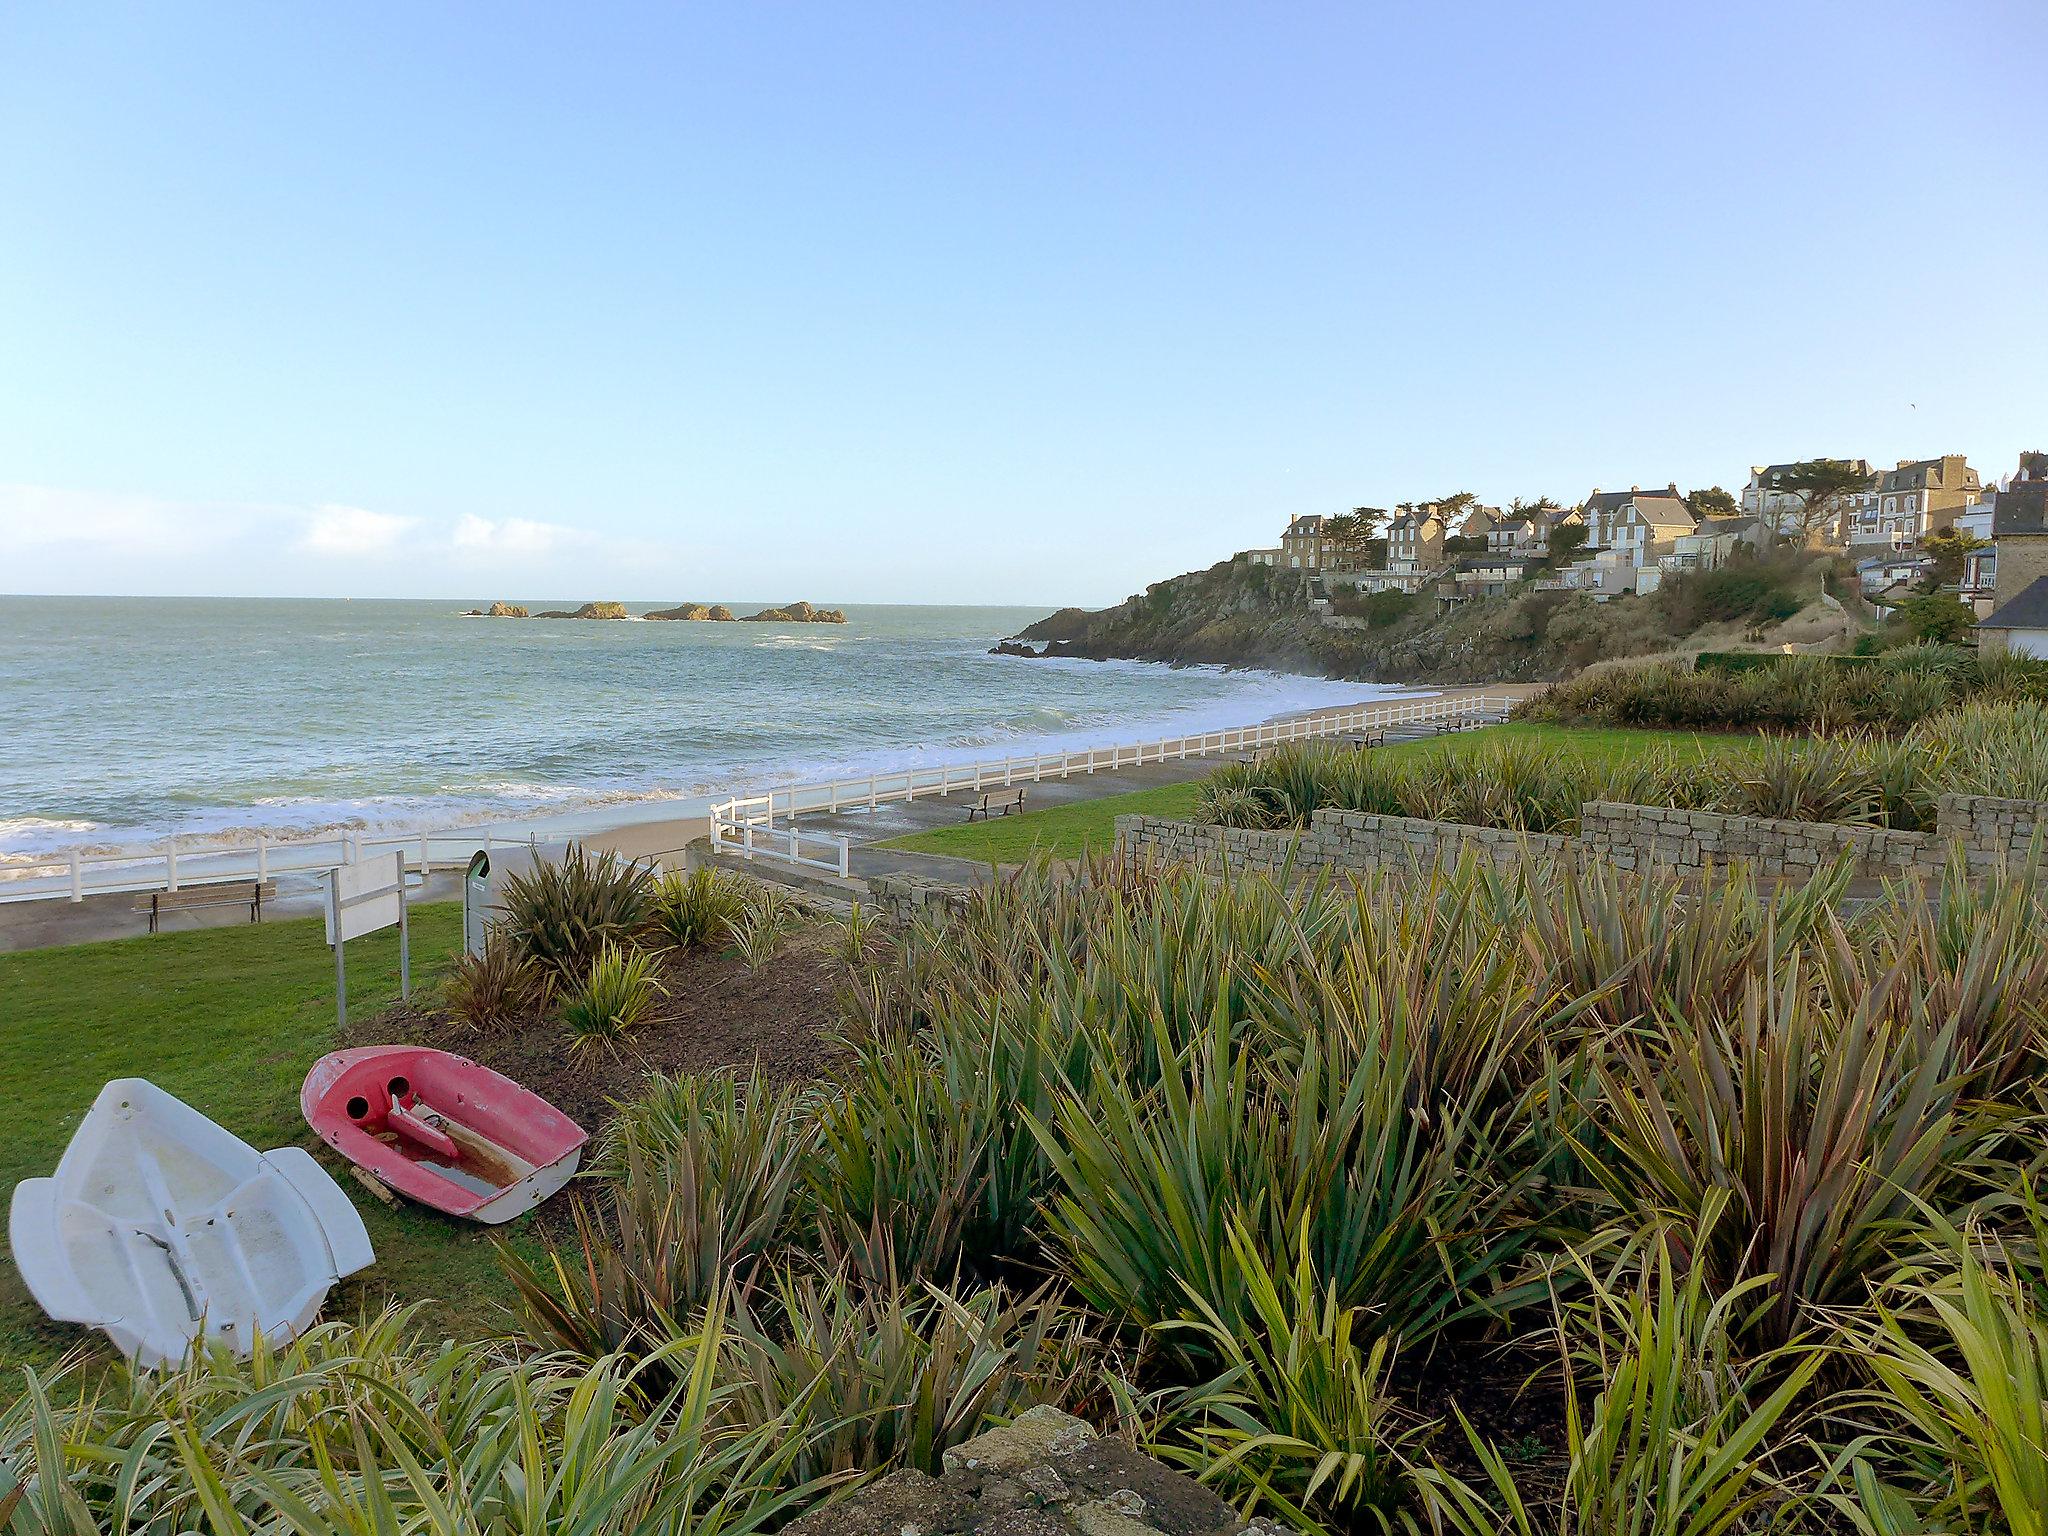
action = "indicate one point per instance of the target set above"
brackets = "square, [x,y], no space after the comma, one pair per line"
[128,720]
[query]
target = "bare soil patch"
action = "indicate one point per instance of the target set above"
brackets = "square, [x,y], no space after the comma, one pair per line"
[783,1019]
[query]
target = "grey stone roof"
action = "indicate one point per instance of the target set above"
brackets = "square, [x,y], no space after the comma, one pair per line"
[2021,508]
[2027,611]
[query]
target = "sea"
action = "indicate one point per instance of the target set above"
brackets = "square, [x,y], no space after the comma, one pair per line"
[126,721]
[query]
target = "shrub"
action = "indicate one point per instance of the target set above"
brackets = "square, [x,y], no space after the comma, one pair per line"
[768,915]
[1301,1420]
[885,1374]
[1670,1442]
[616,999]
[495,989]
[366,1427]
[698,908]
[1818,1129]
[702,1176]
[900,1171]
[563,914]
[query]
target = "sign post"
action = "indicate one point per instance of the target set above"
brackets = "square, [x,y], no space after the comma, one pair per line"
[361,898]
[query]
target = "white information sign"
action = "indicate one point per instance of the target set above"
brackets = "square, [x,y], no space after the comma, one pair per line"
[369,894]
[361,898]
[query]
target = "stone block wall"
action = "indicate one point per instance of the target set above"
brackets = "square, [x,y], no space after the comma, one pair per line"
[1237,848]
[1648,836]
[1990,834]
[1046,1474]
[1990,830]
[1361,840]
[902,899]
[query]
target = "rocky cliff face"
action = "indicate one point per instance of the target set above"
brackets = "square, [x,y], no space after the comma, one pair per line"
[695,612]
[587,611]
[1258,616]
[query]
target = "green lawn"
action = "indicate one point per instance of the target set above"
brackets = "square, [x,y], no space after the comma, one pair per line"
[228,1019]
[1067,831]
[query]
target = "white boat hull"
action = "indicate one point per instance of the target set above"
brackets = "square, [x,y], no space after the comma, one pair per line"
[160,1228]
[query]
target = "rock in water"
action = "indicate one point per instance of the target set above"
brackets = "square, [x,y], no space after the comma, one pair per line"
[796,613]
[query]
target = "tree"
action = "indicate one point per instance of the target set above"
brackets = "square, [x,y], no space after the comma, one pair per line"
[1949,547]
[1934,617]
[1713,502]
[1566,540]
[1450,508]
[1351,536]
[1824,487]
[1542,506]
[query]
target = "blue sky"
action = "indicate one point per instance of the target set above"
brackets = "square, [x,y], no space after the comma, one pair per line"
[970,303]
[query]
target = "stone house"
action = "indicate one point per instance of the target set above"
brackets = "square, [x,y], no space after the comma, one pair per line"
[1643,525]
[2019,614]
[1918,497]
[1415,540]
[1302,546]
[1767,499]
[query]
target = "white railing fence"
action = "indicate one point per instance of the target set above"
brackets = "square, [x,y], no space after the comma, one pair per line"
[181,862]
[905,784]
[750,826]
[745,826]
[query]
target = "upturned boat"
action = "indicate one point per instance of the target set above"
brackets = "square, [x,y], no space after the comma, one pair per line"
[160,1227]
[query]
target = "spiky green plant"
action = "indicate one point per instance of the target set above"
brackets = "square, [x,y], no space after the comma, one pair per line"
[893,1374]
[369,1430]
[1672,1441]
[1959,1356]
[496,989]
[769,915]
[697,909]
[1818,1131]
[1300,1420]
[616,998]
[563,914]
[702,1179]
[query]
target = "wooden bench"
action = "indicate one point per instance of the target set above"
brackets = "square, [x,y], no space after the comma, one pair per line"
[217,893]
[996,802]
[1358,741]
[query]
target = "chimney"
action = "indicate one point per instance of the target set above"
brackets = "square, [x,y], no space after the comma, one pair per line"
[1672,488]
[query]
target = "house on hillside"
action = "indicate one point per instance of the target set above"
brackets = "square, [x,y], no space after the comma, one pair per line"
[1918,497]
[1643,525]
[1711,544]
[1415,540]
[2019,615]
[1780,509]
[1303,546]
[1876,574]
[1493,574]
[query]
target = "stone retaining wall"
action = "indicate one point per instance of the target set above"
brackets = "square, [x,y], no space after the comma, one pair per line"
[902,899]
[1648,836]
[1987,833]
[1359,839]
[1989,829]
[1046,1474]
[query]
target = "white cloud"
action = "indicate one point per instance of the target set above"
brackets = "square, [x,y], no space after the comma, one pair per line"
[51,517]
[516,536]
[353,531]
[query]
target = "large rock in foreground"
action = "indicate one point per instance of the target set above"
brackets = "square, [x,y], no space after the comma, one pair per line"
[796,613]
[1047,1474]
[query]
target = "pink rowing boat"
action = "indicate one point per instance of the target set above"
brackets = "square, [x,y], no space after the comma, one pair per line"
[442,1129]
